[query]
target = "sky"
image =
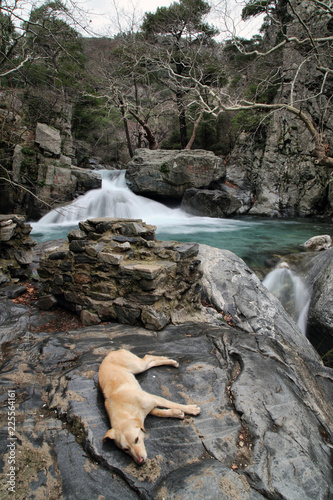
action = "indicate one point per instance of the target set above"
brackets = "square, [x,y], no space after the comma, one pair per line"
[108,17]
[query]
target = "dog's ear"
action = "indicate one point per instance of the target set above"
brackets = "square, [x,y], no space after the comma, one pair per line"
[142,428]
[109,435]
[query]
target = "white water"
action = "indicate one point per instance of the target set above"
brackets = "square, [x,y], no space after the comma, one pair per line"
[292,292]
[252,239]
[115,199]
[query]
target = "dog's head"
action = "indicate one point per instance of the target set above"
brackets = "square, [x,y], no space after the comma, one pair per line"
[129,440]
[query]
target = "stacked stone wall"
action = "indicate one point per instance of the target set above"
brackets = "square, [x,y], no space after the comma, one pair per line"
[16,245]
[115,269]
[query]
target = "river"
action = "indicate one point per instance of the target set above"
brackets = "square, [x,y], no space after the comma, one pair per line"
[251,238]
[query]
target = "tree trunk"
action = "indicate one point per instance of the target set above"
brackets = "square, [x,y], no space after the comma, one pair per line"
[194,132]
[182,120]
[149,135]
[125,122]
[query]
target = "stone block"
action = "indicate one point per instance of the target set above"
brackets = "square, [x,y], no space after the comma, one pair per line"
[154,320]
[125,312]
[110,258]
[88,318]
[48,138]
[23,257]
[7,230]
[47,302]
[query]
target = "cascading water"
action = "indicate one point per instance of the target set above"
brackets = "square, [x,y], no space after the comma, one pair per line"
[292,292]
[251,239]
[115,199]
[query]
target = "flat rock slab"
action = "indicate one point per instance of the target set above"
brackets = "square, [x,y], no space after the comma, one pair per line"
[263,432]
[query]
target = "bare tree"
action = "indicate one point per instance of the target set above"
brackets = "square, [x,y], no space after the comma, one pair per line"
[296,41]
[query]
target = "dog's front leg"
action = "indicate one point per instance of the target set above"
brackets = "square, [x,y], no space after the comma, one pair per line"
[171,413]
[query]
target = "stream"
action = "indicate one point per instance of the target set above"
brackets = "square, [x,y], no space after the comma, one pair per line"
[251,238]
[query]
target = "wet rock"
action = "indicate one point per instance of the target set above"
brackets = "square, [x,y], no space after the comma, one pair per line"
[263,432]
[209,203]
[317,270]
[235,290]
[265,428]
[318,243]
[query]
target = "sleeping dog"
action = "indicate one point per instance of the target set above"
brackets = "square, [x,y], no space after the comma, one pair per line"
[128,405]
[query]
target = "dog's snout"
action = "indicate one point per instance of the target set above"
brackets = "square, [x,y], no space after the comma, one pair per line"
[140,460]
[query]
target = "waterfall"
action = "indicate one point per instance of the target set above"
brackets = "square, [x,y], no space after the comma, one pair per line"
[115,199]
[292,292]
[252,239]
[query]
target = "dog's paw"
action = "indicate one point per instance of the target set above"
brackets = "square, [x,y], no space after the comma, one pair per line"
[178,414]
[193,410]
[174,363]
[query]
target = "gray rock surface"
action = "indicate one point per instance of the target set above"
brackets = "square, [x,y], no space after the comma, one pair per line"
[209,203]
[232,287]
[48,139]
[265,429]
[168,173]
[317,270]
[261,434]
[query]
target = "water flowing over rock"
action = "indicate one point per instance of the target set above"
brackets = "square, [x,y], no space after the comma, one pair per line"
[291,291]
[167,174]
[317,270]
[230,286]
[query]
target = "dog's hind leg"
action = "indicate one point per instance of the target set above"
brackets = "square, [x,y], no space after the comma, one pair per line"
[165,403]
[151,361]
[139,365]
[172,413]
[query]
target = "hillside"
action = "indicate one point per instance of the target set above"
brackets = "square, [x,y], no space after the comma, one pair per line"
[263,105]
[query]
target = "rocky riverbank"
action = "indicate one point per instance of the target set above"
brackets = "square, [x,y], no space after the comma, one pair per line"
[265,430]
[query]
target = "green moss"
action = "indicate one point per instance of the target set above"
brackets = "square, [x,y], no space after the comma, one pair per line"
[164,168]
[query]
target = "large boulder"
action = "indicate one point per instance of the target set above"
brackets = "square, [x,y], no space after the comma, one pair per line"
[317,270]
[49,139]
[209,203]
[234,289]
[167,174]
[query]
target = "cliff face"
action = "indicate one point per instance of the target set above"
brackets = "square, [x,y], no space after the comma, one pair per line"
[285,176]
[38,158]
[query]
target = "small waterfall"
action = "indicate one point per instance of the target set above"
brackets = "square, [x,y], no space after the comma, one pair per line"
[113,199]
[292,292]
